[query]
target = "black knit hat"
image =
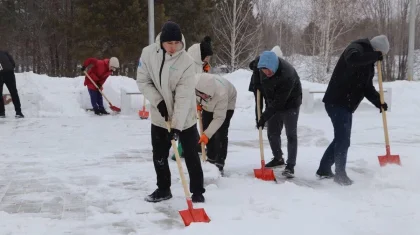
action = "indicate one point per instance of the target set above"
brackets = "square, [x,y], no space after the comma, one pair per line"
[170,32]
[205,47]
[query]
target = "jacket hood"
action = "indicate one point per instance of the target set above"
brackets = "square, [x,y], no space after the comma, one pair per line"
[195,52]
[277,50]
[206,84]
[159,47]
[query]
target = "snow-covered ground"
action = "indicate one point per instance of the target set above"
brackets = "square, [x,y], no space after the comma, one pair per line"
[66,171]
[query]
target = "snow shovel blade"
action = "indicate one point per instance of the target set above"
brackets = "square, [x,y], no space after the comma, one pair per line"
[389,159]
[143,114]
[114,108]
[191,215]
[264,174]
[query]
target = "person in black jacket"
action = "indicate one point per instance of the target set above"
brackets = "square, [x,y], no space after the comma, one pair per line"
[7,77]
[283,95]
[350,82]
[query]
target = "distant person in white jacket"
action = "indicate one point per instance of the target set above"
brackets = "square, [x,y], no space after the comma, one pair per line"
[216,98]
[165,75]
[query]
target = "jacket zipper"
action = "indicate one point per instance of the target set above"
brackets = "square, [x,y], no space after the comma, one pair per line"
[161,67]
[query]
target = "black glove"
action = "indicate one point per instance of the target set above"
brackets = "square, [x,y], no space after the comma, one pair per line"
[383,106]
[380,56]
[162,110]
[261,123]
[174,134]
[83,68]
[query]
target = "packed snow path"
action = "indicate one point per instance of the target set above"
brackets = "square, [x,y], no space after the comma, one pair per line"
[89,175]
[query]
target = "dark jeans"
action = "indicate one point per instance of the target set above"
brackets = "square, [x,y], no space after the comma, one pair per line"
[8,78]
[288,118]
[161,145]
[96,99]
[336,152]
[217,146]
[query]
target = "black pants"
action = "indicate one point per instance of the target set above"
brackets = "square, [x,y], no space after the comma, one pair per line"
[8,78]
[161,145]
[336,152]
[288,118]
[217,146]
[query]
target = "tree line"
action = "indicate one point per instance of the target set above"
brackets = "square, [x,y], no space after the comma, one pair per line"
[53,37]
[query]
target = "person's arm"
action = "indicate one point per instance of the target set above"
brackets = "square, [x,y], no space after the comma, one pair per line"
[11,60]
[355,56]
[184,94]
[219,116]
[145,82]
[372,95]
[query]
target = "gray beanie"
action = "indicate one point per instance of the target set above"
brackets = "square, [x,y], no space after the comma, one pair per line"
[380,43]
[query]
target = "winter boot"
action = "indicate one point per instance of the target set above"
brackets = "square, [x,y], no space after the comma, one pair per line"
[159,195]
[103,111]
[97,111]
[289,172]
[197,198]
[324,174]
[274,163]
[2,115]
[19,114]
[220,167]
[343,179]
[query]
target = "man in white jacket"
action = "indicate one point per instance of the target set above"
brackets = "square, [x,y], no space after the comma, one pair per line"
[165,75]
[216,98]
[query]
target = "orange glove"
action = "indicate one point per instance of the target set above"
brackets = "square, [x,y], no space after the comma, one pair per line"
[203,139]
[199,108]
[206,68]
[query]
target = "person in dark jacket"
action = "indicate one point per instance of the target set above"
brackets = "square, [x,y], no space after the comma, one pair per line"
[7,77]
[255,85]
[283,95]
[350,82]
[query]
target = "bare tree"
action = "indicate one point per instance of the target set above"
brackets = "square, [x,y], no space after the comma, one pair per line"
[235,29]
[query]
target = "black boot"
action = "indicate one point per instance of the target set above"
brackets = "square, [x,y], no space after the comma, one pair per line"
[97,111]
[19,114]
[159,195]
[289,172]
[103,111]
[274,163]
[324,174]
[2,115]
[343,179]
[197,198]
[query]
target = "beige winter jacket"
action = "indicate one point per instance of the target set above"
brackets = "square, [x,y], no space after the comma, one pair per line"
[222,98]
[195,52]
[175,85]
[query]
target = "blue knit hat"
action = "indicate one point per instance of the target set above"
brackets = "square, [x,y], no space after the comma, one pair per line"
[269,60]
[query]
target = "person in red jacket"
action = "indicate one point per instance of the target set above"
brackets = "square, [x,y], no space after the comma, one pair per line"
[99,72]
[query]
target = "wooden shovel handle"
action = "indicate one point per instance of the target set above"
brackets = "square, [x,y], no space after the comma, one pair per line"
[97,87]
[178,162]
[203,146]
[381,96]
[260,129]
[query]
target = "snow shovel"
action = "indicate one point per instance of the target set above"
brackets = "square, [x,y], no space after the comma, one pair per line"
[203,146]
[263,173]
[112,107]
[189,215]
[388,158]
[143,113]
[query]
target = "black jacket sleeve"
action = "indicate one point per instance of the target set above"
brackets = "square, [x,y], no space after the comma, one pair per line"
[283,91]
[354,55]
[372,95]
[11,60]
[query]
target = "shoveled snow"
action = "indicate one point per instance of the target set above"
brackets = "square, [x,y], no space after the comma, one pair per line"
[66,171]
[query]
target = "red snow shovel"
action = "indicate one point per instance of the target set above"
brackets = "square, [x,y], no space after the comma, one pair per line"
[263,173]
[387,158]
[189,215]
[143,113]
[112,107]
